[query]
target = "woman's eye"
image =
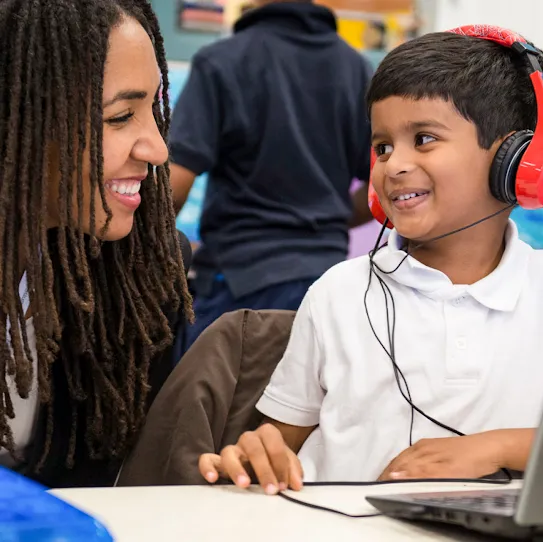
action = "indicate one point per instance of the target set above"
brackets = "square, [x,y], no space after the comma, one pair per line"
[120,120]
[383,148]
[423,139]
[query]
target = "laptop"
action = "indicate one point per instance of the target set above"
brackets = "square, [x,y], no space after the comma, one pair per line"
[511,513]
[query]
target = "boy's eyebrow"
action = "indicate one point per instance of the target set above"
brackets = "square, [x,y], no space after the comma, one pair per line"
[421,124]
[414,126]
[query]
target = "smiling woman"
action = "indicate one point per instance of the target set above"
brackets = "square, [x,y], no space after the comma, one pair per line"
[92,280]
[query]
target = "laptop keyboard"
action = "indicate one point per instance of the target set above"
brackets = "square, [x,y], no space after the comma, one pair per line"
[493,500]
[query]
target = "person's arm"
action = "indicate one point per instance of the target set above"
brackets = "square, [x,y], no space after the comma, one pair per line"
[195,129]
[181,180]
[517,445]
[293,435]
[291,405]
[361,209]
[470,456]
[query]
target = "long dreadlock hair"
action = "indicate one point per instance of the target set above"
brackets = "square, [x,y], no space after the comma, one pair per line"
[98,308]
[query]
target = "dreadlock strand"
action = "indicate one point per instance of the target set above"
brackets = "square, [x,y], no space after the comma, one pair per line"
[76,125]
[13,86]
[34,261]
[131,301]
[24,370]
[62,134]
[48,329]
[10,141]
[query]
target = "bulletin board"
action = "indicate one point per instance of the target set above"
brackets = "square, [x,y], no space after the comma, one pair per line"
[201,15]
[374,24]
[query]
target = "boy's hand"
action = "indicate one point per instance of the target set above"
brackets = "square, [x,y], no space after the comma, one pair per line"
[275,465]
[472,456]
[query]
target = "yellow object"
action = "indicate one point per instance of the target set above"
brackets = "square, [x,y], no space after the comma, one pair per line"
[232,11]
[352,31]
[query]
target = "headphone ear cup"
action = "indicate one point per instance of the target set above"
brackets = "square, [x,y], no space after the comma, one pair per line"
[503,172]
[375,206]
[373,200]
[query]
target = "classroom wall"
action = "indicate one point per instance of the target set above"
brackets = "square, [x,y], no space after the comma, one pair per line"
[180,45]
[524,16]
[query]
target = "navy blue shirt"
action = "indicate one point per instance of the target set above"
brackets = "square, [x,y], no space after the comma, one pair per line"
[276,115]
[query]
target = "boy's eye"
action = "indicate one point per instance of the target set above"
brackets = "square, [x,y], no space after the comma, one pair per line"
[383,148]
[423,139]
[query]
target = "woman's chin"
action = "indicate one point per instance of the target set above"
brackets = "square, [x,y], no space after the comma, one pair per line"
[117,230]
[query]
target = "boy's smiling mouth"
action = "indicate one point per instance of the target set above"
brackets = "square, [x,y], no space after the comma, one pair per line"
[408,198]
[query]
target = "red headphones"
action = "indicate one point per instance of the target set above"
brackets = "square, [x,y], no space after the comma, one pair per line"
[516,174]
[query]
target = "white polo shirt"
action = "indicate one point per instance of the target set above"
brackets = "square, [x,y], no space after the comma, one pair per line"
[472,356]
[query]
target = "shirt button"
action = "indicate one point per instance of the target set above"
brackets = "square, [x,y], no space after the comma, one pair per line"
[461,343]
[459,300]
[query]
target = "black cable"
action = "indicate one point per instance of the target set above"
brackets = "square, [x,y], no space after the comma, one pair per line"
[321,508]
[390,309]
[326,509]
[391,354]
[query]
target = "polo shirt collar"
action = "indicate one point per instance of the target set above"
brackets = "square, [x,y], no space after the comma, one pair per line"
[498,291]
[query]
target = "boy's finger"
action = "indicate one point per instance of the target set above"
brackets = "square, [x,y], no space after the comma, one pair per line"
[277,452]
[296,473]
[232,460]
[257,456]
[209,466]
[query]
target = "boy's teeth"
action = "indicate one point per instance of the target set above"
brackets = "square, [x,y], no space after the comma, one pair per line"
[407,196]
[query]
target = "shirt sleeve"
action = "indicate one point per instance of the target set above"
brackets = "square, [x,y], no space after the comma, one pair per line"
[294,394]
[196,120]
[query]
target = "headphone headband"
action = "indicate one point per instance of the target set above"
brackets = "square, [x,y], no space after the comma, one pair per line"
[488,32]
[518,170]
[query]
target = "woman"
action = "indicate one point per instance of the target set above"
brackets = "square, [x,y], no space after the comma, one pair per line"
[90,265]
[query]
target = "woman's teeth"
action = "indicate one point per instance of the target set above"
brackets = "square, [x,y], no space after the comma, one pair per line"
[127,189]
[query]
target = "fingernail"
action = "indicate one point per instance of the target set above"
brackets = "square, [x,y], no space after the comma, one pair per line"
[397,475]
[211,477]
[271,490]
[283,486]
[243,480]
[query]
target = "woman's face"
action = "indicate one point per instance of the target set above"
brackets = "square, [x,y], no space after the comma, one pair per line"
[131,139]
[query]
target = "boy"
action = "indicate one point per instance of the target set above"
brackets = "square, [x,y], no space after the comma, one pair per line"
[468,307]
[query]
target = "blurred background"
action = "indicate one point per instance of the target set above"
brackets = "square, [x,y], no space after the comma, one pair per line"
[371,26]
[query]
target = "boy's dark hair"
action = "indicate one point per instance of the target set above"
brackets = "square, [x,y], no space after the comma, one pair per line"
[487,82]
[98,308]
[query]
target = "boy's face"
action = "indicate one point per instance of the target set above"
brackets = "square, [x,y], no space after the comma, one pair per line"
[431,175]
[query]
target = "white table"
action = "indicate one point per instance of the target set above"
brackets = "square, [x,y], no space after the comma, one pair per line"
[225,513]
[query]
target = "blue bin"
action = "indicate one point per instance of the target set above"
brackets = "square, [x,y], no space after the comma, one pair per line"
[29,514]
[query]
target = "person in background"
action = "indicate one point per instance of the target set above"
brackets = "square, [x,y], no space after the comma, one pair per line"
[92,281]
[276,115]
[375,36]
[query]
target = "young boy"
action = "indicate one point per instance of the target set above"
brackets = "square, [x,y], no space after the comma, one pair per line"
[469,307]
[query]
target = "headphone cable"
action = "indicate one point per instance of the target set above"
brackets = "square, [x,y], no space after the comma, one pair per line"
[391,322]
